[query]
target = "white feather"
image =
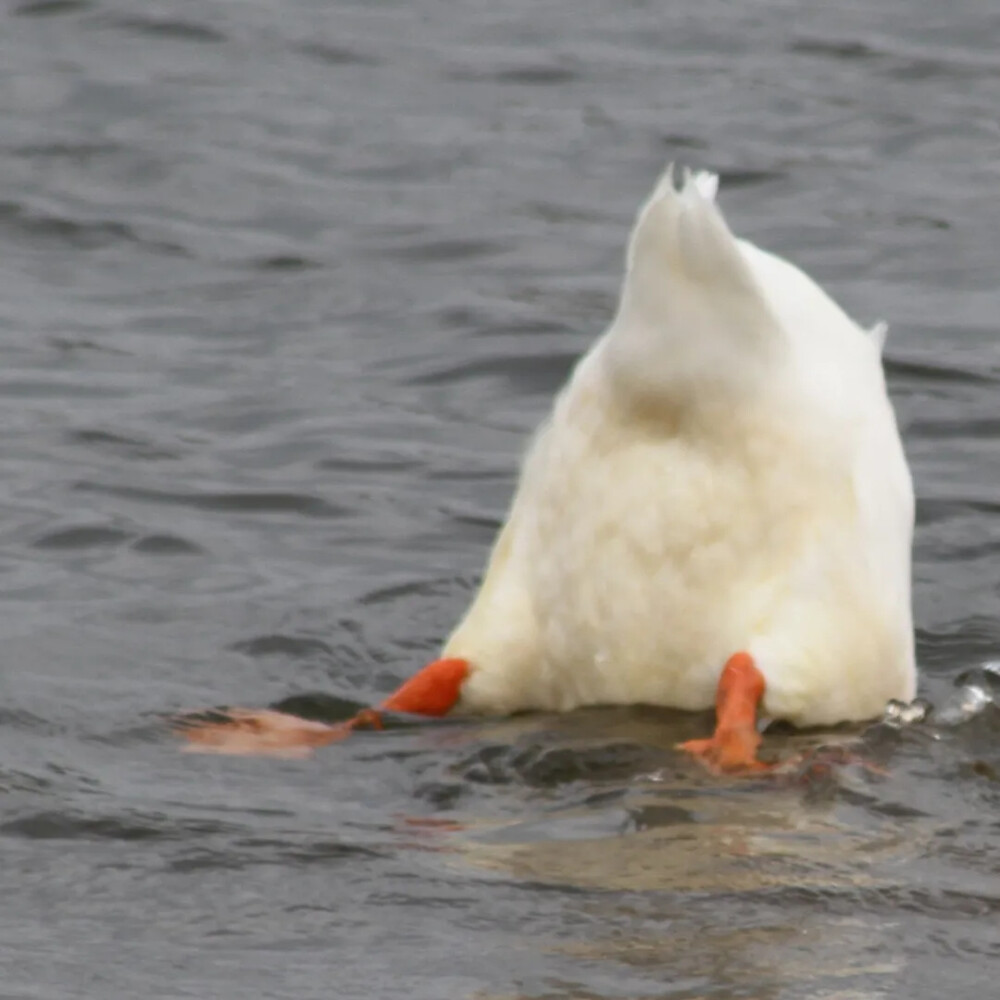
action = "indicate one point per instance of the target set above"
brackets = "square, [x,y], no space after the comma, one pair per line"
[722,473]
[879,334]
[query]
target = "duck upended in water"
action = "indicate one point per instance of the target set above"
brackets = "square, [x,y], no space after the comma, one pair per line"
[717,510]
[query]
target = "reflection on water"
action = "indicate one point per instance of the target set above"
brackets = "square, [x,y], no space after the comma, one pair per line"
[283,289]
[800,882]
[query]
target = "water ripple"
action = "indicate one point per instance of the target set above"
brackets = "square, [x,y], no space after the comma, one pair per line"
[81,537]
[337,55]
[50,8]
[19,220]
[241,502]
[285,288]
[169,30]
[50,825]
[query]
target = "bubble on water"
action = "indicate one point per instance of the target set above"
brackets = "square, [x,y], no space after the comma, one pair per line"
[905,713]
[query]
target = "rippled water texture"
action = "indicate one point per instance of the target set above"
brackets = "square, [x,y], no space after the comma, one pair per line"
[283,287]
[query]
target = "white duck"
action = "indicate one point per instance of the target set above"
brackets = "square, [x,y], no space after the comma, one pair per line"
[718,509]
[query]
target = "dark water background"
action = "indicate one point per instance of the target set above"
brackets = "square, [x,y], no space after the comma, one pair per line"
[283,286]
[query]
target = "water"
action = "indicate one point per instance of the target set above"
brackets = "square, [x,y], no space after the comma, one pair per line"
[283,287]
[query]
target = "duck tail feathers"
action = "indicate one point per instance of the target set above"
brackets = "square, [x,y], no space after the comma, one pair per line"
[681,231]
[691,309]
[879,334]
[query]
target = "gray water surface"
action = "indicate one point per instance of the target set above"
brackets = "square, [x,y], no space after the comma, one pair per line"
[284,286]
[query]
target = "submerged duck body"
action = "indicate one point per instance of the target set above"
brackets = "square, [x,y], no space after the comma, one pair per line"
[717,510]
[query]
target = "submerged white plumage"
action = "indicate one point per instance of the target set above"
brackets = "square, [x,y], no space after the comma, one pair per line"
[721,473]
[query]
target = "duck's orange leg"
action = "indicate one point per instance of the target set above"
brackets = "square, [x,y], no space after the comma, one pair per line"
[432,691]
[732,748]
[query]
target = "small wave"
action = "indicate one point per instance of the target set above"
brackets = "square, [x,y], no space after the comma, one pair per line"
[21,719]
[482,324]
[931,510]
[418,168]
[680,140]
[297,647]
[81,537]
[56,385]
[244,853]
[851,51]
[165,545]
[478,521]
[19,781]
[977,690]
[545,765]
[749,178]
[398,591]
[248,502]
[367,463]
[532,373]
[53,825]
[50,8]
[319,706]
[18,219]
[955,427]
[120,444]
[443,250]
[172,30]
[284,262]
[925,371]
[77,152]
[539,75]
[974,639]
[917,220]
[900,61]
[337,55]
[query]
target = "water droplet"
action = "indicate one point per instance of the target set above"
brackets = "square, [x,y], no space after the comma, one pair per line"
[902,713]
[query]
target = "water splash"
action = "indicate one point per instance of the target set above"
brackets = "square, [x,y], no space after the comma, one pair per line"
[906,713]
[977,690]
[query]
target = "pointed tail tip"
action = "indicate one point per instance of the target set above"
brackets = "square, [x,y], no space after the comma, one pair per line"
[681,229]
[702,184]
[879,334]
[706,184]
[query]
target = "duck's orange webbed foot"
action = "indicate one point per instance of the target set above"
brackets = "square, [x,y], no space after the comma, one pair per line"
[732,748]
[432,691]
[256,731]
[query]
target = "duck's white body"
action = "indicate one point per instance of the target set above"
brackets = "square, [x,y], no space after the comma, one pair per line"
[723,472]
